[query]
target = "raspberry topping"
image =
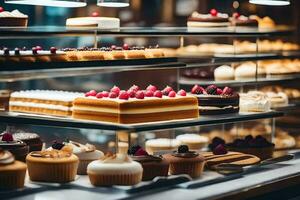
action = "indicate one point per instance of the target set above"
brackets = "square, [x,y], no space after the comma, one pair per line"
[113,95]
[227,91]
[219,91]
[236,15]
[140,95]
[167,90]
[181,93]
[125,46]
[53,50]
[152,88]
[131,93]
[141,152]
[172,94]
[124,95]
[99,95]
[39,48]
[113,47]
[158,94]
[105,94]
[213,12]
[91,93]
[220,150]
[198,90]
[149,93]
[34,50]
[115,89]
[134,88]
[1,9]
[212,89]
[7,137]
[95,14]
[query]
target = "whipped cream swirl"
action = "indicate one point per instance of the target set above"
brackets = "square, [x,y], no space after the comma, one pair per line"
[6,157]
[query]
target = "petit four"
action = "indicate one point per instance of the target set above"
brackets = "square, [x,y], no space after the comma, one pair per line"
[254,101]
[13,18]
[161,144]
[213,19]
[99,22]
[193,141]
[33,140]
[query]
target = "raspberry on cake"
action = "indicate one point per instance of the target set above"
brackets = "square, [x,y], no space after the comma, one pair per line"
[127,108]
[214,100]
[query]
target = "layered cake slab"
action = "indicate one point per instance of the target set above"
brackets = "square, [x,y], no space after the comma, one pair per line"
[43,102]
[128,107]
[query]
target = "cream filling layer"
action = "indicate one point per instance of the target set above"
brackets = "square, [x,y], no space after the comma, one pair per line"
[132,111]
[206,24]
[40,105]
[216,108]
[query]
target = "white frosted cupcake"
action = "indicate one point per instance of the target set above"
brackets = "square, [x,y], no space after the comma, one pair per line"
[161,144]
[193,141]
[115,169]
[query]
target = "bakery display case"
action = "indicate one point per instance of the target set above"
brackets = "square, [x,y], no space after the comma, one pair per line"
[214,124]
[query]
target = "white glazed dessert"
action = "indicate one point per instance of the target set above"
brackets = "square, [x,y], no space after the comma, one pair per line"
[248,71]
[161,144]
[100,22]
[254,101]
[224,72]
[193,141]
[44,102]
[118,169]
[279,99]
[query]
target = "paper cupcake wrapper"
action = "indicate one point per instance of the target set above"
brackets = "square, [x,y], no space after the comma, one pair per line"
[52,172]
[115,179]
[12,179]
[193,169]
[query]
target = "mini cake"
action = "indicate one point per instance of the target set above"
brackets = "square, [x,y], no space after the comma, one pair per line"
[213,19]
[241,20]
[4,99]
[248,70]
[224,73]
[59,166]
[161,144]
[18,148]
[14,18]
[118,169]
[257,146]
[279,99]
[43,102]
[153,166]
[86,154]
[33,140]
[213,100]
[12,173]
[99,22]
[135,106]
[254,101]
[184,161]
[193,141]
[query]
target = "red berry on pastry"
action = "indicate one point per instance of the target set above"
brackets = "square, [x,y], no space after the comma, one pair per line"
[149,93]
[125,46]
[236,15]
[113,47]
[131,93]
[113,95]
[158,94]
[152,88]
[220,150]
[213,12]
[219,91]
[124,95]
[115,89]
[172,94]
[198,90]
[105,94]
[167,90]
[140,95]
[134,88]
[95,14]
[39,48]
[227,91]
[99,95]
[141,152]
[7,137]
[1,9]
[212,89]
[34,50]
[92,93]
[53,50]
[181,92]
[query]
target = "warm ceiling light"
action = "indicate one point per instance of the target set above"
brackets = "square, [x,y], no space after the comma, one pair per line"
[271,2]
[54,3]
[113,3]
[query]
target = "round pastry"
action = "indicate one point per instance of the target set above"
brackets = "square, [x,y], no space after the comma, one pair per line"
[135,53]
[184,161]
[12,173]
[86,154]
[18,148]
[118,169]
[33,140]
[59,166]
[224,72]
[161,144]
[155,52]
[193,141]
[254,101]
[248,71]
[153,166]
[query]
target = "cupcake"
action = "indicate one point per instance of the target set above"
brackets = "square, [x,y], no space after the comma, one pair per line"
[184,161]
[58,166]
[12,172]
[33,140]
[161,144]
[18,148]
[193,141]
[115,169]
[153,166]
[86,154]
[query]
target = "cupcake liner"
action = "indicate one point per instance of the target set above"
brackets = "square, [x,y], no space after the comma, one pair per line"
[154,169]
[12,179]
[52,172]
[194,169]
[114,179]
[82,167]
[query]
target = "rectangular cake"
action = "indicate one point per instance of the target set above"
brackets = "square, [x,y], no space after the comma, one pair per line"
[135,110]
[43,102]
